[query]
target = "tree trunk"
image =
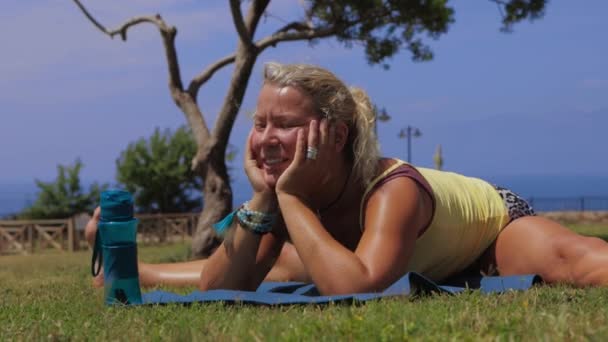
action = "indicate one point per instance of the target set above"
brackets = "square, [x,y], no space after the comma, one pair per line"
[217,193]
[217,200]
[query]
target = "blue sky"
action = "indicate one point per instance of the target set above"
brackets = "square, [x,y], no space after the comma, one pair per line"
[530,102]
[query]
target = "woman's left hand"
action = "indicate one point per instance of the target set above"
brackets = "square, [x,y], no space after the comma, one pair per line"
[308,173]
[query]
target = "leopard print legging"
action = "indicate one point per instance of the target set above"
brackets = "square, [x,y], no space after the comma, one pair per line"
[517,206]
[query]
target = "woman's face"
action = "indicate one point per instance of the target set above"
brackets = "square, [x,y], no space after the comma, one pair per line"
[280,112]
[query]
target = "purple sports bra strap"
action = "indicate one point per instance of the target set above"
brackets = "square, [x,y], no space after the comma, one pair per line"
[398,169]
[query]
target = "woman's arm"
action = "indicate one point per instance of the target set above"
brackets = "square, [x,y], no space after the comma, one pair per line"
[264,250]
[393,216]
[244,258]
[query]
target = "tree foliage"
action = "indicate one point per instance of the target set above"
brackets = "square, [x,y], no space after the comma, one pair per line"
[514,11]
[63,197]
[157,171]
[384,27]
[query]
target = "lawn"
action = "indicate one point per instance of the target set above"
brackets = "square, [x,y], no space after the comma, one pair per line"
[47,296]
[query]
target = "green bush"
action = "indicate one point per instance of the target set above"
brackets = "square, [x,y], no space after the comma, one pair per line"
[63,197]
[158,172]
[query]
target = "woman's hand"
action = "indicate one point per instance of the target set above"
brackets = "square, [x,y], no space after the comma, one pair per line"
[255,174]
[90,233]
[304,177]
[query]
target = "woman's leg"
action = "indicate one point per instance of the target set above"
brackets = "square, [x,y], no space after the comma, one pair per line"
[536,245]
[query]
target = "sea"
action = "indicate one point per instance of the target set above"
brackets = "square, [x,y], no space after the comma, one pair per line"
[546,193]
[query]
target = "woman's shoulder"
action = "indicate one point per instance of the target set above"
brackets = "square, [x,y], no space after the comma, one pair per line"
[391,173]
[385,164]
[401,184]
[397,173]
[390,168]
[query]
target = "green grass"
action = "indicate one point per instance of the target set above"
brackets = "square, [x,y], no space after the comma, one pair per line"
[597,230]
[48,297]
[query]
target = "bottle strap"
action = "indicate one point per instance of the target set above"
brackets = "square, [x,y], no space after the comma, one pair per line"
[97,259]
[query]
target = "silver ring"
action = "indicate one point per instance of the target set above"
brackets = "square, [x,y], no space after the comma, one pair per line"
[311,153]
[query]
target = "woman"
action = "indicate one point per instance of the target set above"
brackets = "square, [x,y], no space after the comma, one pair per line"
[356,222]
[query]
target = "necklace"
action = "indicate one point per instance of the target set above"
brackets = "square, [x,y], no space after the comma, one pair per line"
[327,207]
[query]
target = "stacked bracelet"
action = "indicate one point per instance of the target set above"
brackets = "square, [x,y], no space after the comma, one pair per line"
[257,222]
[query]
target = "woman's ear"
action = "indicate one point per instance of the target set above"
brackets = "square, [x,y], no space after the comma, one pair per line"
[341,136]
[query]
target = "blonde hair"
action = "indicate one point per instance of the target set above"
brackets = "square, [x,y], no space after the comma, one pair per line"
[335,101]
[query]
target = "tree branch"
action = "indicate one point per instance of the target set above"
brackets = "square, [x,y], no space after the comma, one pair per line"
[245,29]
[237,17]
[282,36]
[90,17]
[167,32]
[204,76]
[122,30]
[295,25]
[254,14]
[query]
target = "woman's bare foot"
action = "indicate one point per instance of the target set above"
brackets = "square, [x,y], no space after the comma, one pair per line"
[90,232]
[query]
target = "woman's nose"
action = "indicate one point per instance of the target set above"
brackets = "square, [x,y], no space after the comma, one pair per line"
[269,136]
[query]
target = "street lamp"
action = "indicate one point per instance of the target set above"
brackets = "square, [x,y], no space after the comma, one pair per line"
[408,133]
[381,115]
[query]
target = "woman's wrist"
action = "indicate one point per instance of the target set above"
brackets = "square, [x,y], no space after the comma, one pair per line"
[285,198]
[257,215]
[257,222]
[287,201]
[264,202]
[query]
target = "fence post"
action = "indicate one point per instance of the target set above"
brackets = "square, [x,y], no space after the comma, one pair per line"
[71,228]
[30,236]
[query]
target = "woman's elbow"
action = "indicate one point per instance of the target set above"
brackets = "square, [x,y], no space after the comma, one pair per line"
[204,284]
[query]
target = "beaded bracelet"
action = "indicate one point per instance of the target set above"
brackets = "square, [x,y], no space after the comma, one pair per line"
[255,221]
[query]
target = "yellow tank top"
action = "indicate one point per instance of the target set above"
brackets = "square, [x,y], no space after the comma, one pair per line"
[469,214]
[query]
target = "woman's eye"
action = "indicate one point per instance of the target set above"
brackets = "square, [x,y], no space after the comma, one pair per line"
[260,125]
[287,125]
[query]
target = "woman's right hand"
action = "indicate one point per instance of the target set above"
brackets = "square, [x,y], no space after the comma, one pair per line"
[255,174]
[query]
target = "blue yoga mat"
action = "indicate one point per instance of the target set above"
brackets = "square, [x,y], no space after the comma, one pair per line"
[290,293]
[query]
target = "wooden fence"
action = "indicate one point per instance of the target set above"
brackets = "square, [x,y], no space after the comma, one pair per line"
[23,237]
[160,228]
[67,235]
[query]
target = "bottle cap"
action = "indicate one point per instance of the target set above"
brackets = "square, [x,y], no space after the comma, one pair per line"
[116,205]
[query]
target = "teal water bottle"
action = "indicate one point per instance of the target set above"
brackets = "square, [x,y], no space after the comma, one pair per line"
[116,248]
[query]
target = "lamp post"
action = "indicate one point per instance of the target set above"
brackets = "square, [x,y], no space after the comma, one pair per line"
[409,132]
[381,115]
[438,158]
